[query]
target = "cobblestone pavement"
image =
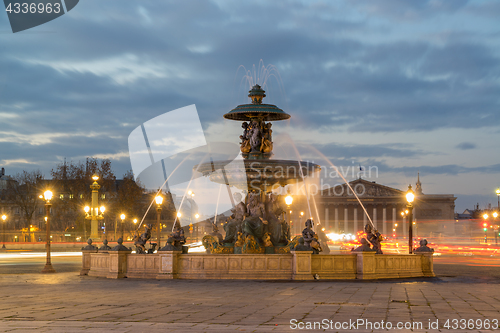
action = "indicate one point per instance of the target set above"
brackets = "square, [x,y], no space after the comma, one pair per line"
[67,302]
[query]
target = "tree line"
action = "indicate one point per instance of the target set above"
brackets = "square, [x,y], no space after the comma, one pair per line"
[70,185]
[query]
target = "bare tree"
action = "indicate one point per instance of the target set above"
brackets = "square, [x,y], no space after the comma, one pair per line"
[25,192]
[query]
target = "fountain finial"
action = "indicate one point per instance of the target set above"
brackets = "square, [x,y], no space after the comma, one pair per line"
[256,94]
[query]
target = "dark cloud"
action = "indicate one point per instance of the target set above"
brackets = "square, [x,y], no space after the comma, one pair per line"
[364,66]
[466,146]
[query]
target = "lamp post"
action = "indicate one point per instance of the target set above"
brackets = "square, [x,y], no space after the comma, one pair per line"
[122,217]
[410,196]
[4,217]
[498,197]
[47,195]
[159,201]
[495,230]
[94,215]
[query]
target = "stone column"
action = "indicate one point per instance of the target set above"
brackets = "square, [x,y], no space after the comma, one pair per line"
[346,217]
[355,217]
[301,267]
[168,265]
[337,218]
[404,227]
[384,220]
[365,264]
[327,222]
[118,264]
[374,219]
[427,265]
[86,261]
[365,219]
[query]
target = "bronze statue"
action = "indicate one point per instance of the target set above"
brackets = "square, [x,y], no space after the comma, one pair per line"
[374,237]
[310,238]
[215,232]
[423,247]
[240,240]
[234,223]
[255,135]
[267,143]
[277,225]
[140,241]
[245,140]
[266,240]
[177,236]
[254,224]
[364,247]
[301,246]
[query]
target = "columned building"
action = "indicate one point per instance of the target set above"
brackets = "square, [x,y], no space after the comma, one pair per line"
[341,212]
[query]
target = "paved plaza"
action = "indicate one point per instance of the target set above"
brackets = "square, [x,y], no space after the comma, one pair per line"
[67,302]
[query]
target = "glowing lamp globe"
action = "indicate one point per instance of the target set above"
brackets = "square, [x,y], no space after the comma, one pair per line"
[47,195]
[410,196]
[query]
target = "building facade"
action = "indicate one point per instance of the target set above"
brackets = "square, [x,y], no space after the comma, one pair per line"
[341,212]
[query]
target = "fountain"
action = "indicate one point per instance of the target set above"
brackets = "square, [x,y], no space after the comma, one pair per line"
[261,216]
[257,244]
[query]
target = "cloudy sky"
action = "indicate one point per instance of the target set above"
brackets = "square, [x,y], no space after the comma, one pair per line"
[405,86]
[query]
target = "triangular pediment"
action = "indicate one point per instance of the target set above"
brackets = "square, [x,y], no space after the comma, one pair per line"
[363,188]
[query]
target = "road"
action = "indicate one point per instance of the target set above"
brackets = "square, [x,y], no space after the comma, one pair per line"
[483,267]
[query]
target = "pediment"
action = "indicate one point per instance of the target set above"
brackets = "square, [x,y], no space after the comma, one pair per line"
[363,188]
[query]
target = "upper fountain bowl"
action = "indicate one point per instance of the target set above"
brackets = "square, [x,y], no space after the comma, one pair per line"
[257,110]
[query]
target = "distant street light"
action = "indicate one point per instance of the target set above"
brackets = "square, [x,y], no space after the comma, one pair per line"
[159,201]
[410,197]
[48,265]
[122,217]
[4,217]
[498,197]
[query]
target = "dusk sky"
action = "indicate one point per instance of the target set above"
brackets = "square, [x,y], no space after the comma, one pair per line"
[406,86]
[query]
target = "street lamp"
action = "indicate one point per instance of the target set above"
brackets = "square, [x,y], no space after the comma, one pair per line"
[122,217]
[410,196]
[4,217]
[498,196]
[92,212]
[159,201]
[47,195]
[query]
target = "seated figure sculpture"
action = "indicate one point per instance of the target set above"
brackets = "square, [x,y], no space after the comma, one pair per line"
[278,228]
[177,236]
[423,247]
[140,241]
[310,238]
[254,224]
[234,223]
[215,232]
[374,237]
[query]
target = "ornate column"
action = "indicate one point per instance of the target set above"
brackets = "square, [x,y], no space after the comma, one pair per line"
[337,218]
[346,216]
[365,220]
[327,222]
[384,220]
[355,217]
[404,232]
